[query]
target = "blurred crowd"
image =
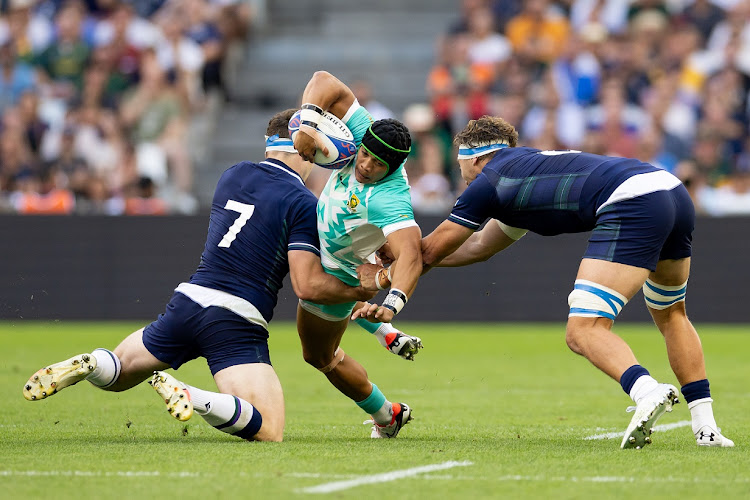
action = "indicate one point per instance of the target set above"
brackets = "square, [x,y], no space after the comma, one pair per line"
[663,81]
[102,101]
[104,104]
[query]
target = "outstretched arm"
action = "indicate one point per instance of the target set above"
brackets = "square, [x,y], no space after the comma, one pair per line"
[442,242]
[311,282]
[479,247]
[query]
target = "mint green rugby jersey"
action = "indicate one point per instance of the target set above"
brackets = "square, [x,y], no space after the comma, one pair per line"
[354,219]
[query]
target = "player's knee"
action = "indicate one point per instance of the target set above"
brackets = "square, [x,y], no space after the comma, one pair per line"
[316,359]
[592,300]
[574,336]
[324,361]
[665,298]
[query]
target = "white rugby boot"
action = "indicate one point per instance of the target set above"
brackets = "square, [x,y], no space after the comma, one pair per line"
[401,344]
[175,395]
[53,378]
[647,412]
[708,436]
[401,417]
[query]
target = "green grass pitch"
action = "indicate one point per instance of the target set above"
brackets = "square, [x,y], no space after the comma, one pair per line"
[501,411]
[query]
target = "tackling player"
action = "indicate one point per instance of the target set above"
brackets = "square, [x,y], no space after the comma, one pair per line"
[262,226]
[363,205]
[641,218]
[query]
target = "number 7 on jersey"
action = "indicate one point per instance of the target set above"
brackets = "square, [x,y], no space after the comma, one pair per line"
[246,211]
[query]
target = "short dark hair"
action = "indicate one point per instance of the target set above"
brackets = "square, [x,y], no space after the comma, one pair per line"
[279,123]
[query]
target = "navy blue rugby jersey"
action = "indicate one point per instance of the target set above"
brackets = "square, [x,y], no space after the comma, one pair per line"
[546,192]
[259,212]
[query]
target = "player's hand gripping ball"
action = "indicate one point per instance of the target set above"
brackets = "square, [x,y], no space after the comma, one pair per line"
[334,135]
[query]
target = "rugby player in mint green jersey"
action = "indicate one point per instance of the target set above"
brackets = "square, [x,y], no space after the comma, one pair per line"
[363,206]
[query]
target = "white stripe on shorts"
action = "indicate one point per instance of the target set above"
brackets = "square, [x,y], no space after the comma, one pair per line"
[207,297]
[641,184]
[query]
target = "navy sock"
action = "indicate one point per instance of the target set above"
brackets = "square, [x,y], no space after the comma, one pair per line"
[252,427]
[696,390]
[630,376]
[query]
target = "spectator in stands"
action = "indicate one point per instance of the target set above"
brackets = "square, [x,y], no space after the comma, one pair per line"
[63,63]
[16,160]
[179,56]
[142,199]
[43,194]
[733,197]
[538,34]
[35,128]
[710,155]
[204,31]
[155,115]
[612,15]
[16,76]
[31,32]
[704,15]
[430,188]
[620,122]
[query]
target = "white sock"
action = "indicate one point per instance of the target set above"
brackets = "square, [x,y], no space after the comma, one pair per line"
[702,413]
[384,415]
[107,369]
[383,330]
[642,386]
[218,409]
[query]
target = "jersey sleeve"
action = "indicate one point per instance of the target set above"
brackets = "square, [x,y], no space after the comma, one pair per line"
[303,226]
[358,119]
[391,210]
[475,205]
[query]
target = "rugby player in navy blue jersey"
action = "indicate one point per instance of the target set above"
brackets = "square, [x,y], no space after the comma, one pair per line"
[262,227]
[641,220]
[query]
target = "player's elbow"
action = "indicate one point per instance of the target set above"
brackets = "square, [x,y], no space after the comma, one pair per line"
[325,79]
[305,291]
[483,255]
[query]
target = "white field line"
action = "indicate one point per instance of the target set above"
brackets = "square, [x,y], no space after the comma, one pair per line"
[585,479]
[426,476]
[665,427]
[381,478]
[95,473]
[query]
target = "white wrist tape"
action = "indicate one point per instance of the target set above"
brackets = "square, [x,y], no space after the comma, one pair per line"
[309,117]
[395,300]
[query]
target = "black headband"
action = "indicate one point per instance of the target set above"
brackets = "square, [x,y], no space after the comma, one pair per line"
[383,151]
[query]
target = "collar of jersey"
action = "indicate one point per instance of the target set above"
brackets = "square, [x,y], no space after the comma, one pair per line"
[273,162]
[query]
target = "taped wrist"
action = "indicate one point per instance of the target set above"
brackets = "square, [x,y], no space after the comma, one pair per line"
[383,275]
[395,300]
[310,115]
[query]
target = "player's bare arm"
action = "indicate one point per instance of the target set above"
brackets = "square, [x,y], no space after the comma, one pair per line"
[443,241]
[480,246]
[405,245]
[328,93]
[311,282]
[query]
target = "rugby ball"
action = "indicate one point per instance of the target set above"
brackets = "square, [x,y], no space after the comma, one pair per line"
[335,135]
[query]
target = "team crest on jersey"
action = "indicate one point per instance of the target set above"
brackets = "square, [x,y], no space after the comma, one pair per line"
[353,203]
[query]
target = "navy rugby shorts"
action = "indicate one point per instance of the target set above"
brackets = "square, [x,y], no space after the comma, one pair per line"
[186,331]
[642,231]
